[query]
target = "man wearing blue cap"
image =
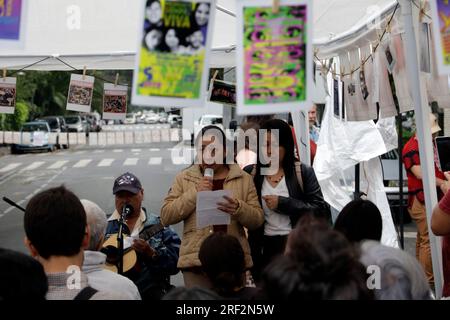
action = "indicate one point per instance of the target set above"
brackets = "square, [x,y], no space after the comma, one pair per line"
[156,247]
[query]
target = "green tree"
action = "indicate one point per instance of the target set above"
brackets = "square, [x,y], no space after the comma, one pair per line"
[16,120]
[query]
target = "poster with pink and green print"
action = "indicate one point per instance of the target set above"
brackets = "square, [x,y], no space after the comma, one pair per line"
[274,56]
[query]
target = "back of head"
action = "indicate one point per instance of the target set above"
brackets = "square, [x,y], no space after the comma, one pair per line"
[360,220]
[21,277]
[96,220]
[319,264]
[55,223]
[223,261]
[182,293]
[401,275]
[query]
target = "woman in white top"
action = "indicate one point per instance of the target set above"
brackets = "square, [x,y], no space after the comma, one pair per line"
[286,191]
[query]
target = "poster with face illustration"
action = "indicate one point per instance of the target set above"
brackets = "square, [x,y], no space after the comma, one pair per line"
[274,56]
[440,13]
[173,52]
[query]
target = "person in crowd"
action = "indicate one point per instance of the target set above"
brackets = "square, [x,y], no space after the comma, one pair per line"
[94,260]
[360,220]
[248,154]
[56,235]
[314,129]
[223,262]
[157,256]
[22,278]
[180,203]
[195,293]
[393,273]
[440,225]
[153,14]
[194,43]
[416,202]
[288,192]
[319,264]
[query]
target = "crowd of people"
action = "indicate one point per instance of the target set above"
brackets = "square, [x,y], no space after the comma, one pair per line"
[280,243]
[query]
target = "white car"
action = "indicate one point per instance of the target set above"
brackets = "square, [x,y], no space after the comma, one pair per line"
[206,120]
[130,119]
[151,119]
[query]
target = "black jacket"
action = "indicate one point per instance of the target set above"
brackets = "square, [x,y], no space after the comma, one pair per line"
[299,202]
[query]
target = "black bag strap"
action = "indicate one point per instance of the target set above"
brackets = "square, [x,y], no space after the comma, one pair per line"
[86,293]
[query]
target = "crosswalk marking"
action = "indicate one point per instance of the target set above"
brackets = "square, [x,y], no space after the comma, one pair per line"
[105,163]
[82,163]
[154,149]
[117,150]
[9,167]
[80,152]
[155,161]
[130,162]
[58,164]
[135,150]
[34,165]
[99,151]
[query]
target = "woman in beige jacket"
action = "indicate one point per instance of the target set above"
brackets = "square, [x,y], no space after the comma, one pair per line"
[180,204]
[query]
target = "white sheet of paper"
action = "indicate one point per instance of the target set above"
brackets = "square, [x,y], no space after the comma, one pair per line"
[16,137]
[111,138]
[129,138]
[207,212]
[62,138]
[73,138]
[52,137]
[8,137]
[81,138]
[102,138]
[119,137]
[38,138]
[26,137]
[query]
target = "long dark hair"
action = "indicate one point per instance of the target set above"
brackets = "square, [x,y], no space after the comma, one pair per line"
[286,140]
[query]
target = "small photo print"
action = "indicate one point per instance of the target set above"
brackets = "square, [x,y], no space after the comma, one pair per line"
[390,59]
[80,93]
[7,95]
[114,102]
[363,84]
[351,89]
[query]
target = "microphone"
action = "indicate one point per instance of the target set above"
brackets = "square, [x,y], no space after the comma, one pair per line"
[209,173]
[127,210]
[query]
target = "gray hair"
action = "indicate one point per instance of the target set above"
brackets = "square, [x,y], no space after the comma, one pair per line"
[402,277]
[96,219]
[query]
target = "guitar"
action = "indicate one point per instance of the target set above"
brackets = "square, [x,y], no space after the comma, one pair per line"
[111,249]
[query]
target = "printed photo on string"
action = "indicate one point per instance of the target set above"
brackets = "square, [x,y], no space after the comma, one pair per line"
[114,101]
[79,97]
[7,95]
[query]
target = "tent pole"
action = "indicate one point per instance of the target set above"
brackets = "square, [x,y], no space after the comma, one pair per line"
[400,178]
[422,111]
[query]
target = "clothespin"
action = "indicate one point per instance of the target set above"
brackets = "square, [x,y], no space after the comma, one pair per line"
[117,80]
[316,52]
[276,6]
[421,11]
[388,27]
[84,72]
[4,74]
[342,70]
[215,76]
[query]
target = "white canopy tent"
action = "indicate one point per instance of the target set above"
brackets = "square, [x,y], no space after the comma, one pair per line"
[102,34]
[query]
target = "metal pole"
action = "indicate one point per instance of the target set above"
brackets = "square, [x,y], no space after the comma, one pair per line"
[422,111]
[400,178]
[357,193]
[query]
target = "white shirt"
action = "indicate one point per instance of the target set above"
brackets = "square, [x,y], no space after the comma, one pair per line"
[276,224]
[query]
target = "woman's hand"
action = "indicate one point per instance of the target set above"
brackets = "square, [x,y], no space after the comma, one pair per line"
[230,206]
[205,184]
[271,201]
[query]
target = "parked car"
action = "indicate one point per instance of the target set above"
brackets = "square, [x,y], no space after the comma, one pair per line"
[57,125]
[130,118]
[94,122]
[75,124]
[174,120]
[206,120]
[151,119]
[38,138]
[162,117]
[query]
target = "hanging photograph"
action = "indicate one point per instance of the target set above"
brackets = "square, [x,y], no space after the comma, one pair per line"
[12,23]
[440,11]
[173,53]
[114,102]
[274,56]
[7,95]
[79,97]
[222,92]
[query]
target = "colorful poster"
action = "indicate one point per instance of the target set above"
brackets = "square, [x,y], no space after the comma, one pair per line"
[80,93]
[173,52]
[114,102]
[12,24]
[7,95]
[440,10]
[274,56]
